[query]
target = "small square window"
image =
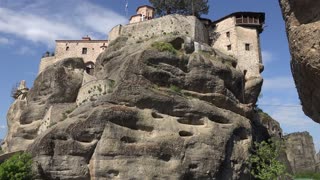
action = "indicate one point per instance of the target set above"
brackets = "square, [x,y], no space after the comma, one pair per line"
[229,47]
[67,48]
[247,47]
[84,50]
[228,34]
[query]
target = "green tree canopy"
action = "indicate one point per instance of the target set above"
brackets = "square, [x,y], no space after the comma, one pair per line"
[184,7]
[18,167]
[264,162]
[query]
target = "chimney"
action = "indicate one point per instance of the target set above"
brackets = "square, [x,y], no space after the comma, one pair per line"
[86,38]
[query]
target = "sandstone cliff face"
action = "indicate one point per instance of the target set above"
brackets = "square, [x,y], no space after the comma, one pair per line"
[164,115]
[265,127]
[59,84]
[317,159]
[303,29]
[301,152]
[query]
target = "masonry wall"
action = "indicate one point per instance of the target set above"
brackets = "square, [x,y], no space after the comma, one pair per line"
[184,25]
[221,41]
[146,11]
[135,19]
[55,114]
[46,61]
[93,89]
[115,32]
[249,61]
[73,48]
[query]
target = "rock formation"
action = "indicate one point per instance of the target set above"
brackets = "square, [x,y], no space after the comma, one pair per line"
[164,107]
[301,152]
[57,86]
[318,162]
[302,19]
[265,127]
[164,114]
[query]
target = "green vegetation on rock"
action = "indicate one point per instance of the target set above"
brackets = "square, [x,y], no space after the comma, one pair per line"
[164,46]
[18,167]
[310,175]
[264,162]
[175,89]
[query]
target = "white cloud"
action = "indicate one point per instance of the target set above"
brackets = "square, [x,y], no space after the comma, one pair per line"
[25,50]
[267,56]
[32,20]
[4,41]
[291,116]
[278,83]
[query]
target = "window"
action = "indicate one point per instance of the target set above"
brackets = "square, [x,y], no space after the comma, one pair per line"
[228,34]
[67,48]
[90,67]
[247,47]
[229,47]
[84,50]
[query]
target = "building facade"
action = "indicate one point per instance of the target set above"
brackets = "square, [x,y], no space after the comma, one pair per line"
[86,48]
[238,35]
[144,13]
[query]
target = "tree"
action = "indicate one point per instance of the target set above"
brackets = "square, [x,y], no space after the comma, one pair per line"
[264,163]
[18,167]
[184,7]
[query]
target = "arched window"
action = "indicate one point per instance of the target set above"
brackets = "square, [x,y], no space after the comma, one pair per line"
[90,67]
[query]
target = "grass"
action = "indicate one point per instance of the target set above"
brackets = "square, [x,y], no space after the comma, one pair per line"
[164,46]
[310,175]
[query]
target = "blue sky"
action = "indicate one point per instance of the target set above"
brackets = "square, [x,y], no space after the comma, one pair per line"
[28,28]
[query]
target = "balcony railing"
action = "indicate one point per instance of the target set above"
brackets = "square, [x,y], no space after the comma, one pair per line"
[246,20]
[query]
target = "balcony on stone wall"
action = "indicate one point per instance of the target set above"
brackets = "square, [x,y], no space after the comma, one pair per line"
[252,20]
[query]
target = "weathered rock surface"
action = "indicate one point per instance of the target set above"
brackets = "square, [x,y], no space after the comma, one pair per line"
[265,127]
[300,151]
[302,19]
[58,84]
[165,116]
[318,162]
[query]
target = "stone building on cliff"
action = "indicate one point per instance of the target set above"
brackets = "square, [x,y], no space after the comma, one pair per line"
[144,13]
[236,35]
[86,48]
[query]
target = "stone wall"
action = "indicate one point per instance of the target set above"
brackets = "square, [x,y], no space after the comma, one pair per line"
[227,34]
[74,48]
[184,25]
[93,89]
[87,78]
[221,40]
[135,19]
[45,62]
[249,60]
[56,113]
[300,151]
